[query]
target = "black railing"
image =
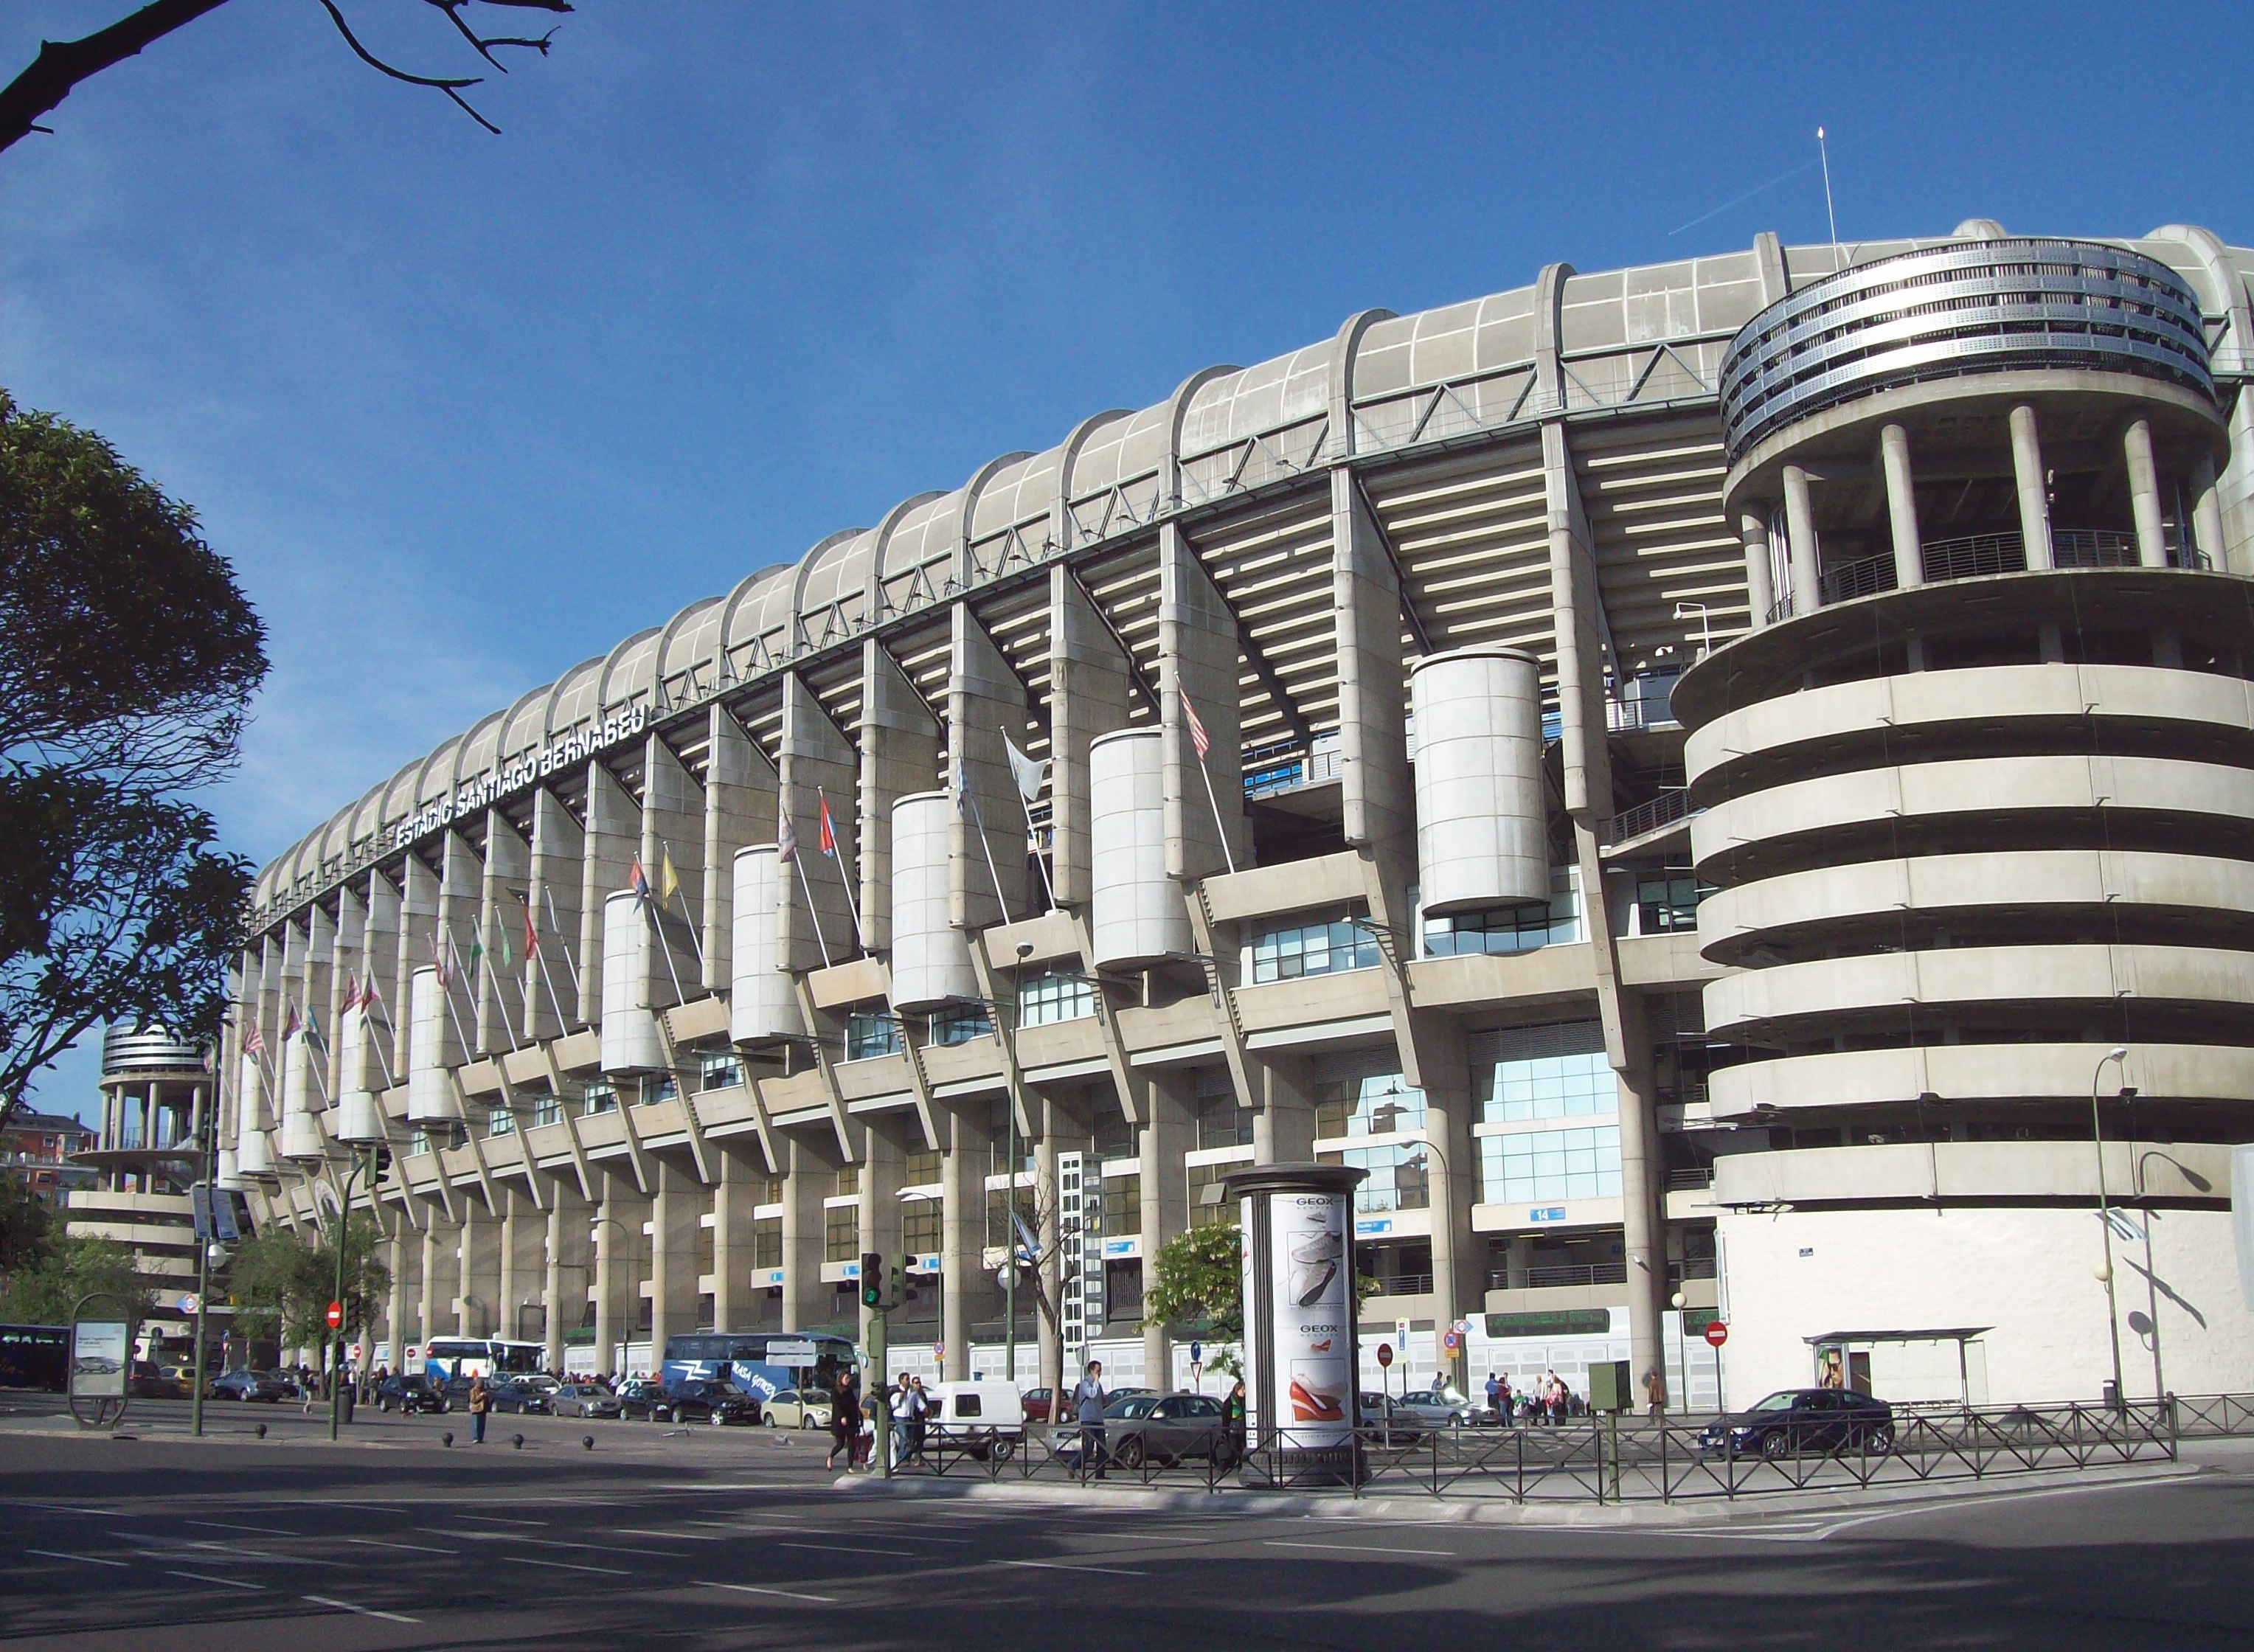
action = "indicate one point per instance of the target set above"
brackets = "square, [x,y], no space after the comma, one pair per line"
[1972,555]
[1404,1284]
[1692,1179]
[1669,805]
[1865,577]
[2092,547]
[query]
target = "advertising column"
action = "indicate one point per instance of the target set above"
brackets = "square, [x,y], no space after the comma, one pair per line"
[1300,1357]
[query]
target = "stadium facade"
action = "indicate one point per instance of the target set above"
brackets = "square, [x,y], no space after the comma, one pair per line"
[1693,777]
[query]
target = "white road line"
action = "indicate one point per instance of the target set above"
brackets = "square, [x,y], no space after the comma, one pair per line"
[91,1560]
[501,1520]
[242,1553]
[366,1612]
[787,1594]
[1357,1548]
[76,1508]
[679,1537]
[412,1548]
[837,1548]
[606,1548]
[205,1577]
[1058,1566]
[568,1566]
[223,1525]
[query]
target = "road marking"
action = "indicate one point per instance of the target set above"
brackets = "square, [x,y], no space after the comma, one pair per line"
[1358,1548]
[91,1560]
[366,1612]
[242,1553]
[75,1508]
[1058,1566]
[836,1548]
[205,1577]
[569,1566]
[414,1548]
[679,1537]
[498,1520]
[222,1525]
[787,1594]
[607,1547]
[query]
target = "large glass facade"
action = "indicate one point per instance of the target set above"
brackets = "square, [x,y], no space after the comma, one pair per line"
[1045,998]
[1400,1176]
[1553,1071]
[1532,1166]
[841,1233]
[1297,949]
[1507,929]
[1369,1098]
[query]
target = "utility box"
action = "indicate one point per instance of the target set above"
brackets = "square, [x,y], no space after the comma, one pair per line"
[1609,1387]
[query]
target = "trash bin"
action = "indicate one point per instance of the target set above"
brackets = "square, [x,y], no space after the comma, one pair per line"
[2113,1396]
[345,1403]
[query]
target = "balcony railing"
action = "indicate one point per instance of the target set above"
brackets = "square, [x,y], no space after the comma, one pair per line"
[1404,1284]
[1693,1180]
[1552,1277]
[1974,555]
[1671,805]
[1864,578]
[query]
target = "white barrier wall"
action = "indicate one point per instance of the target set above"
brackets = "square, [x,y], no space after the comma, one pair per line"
[253,1150]
[301,1134]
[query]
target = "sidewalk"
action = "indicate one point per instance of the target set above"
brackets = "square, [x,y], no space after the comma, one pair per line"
[1501,1512]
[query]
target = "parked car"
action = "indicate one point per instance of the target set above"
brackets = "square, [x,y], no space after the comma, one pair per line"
[1438,1407]
[518,1394]
[1167,1428]
[1796,1421]
[247,1386]
[293,1386]
[585,1399]
[797,1407]
[986,1419]
[707,1400]
[1039,1403]
[146,1380]
[642,1398]
[409,1393]
[1387,1421]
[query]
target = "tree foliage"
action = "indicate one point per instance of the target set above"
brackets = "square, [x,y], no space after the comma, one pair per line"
[282,1284]
[62,65]
[45,1292]
[27,1226]
[1197,1279]
[128,657]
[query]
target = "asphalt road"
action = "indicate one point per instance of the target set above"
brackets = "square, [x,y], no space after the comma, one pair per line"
[724,1538]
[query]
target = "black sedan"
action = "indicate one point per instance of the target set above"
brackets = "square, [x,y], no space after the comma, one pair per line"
[512,1396]
[700,1401]
[409,1393]
[247,1386]
[1804,1422]
[642,1398]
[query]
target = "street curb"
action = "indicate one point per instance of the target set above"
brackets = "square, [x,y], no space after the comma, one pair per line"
[1497,1512]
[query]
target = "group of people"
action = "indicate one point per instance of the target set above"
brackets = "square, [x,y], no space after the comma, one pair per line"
[1548,1401]
[853,1423]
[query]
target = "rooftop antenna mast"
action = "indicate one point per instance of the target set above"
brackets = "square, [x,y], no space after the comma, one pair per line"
[1824,154]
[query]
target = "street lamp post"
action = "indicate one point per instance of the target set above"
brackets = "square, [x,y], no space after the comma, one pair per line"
[208,1242]
[613,1222]
[1682,1347]
[2151,1279]
[337,1337]
[2117,1054]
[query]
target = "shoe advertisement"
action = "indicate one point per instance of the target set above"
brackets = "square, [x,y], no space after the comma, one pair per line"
[1312,1303]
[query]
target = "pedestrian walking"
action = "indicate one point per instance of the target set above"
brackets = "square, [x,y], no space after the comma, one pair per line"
[481,1404]
[896,1403]
[844,1422]
[1233,1410]
[1088,1400]
[918,1410]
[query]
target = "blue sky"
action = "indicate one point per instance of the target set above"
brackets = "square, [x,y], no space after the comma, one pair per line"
[466,410]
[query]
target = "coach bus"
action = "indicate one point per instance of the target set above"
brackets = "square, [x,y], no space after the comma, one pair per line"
[444,1357]
[35,1356]
[742,1357]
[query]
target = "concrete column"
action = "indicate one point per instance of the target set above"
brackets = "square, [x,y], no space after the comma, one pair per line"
[1197,658]
[673,826]
[1284,1129]
[962,1232]
[900,744]
[1169,1133]
[611,842]
[734,1197]
[739,810]
[478,1313]
[499,989]
[818,761]
[2033,489]
[1090,689]
[1901,506]
[805,1298]
[675,1216]
[985,698]
[2206,511]
[2145,494]
[1062,1129]
[558,854]
[568,1267]
[880,1204]
[442,1277]
[1376,794]
[1760,594]
[507,1295]
[395,1315]
[1800,530]
[622,1263]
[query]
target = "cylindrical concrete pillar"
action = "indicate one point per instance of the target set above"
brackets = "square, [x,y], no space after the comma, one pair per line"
[1481,823]
[1760,595]
[430,1093]
[2206,510]
[1800,539]
[359,1116]
[2033,489]
[301,1136]
[2145,494]
[1901,506]
[630,1043]
[253,1148]
[762,1007]
[1137,914]
[931,958]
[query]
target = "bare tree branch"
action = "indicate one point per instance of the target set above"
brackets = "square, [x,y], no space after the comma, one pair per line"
[483,45]
[62,64]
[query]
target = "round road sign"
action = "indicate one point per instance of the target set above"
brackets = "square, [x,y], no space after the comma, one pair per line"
[336,1314]
[1452,1341]
[1384,1355]
[1716,1333]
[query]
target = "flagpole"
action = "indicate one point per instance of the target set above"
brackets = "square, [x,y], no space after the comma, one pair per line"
[838,857]
[657,928]
[570,962]
[548,980]
[1205,769]
[469,1048]
[389,1082]
[493,975]
[979,824]
[1048,886]
[703,970]
[807,889]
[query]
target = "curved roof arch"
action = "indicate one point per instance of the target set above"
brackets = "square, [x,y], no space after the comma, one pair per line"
[630,668]
[576,695]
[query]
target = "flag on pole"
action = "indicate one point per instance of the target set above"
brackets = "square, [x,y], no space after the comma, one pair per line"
[313,1025]
[508,947]
[638,880]
[476,946]
[254,1042]
[370,999]
[786,838]
[668,879]
[829,841]
[531,934]
[959,788]
[352,996]
[289,1022]
[437,958]
[1028,773]
[1197,729]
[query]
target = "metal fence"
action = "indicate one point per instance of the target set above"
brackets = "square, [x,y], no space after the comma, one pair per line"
[1595,1460]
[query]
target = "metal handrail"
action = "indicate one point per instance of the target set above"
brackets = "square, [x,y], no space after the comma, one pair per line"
[1865,577]
[1673,804]
[1972,556]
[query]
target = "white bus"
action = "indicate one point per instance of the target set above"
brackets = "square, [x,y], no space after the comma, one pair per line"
[445,1357]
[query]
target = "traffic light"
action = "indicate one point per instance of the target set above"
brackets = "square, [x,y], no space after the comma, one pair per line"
[872,1279]
[902,1290]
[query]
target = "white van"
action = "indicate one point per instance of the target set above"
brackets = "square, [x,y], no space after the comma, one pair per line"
[985,1420]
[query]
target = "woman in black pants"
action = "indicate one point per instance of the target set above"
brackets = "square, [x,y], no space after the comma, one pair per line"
[844,1422]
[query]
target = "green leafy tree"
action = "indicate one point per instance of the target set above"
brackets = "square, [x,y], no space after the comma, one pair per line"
[45,1292]
[27,1226]
[128,657]
[1198,1285]
[282,1284]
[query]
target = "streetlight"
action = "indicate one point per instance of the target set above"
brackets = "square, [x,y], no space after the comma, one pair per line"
[2118,1054]
[598,1221]
[336,1346]
[1682,1348]
[1705,625]
[2151,1279]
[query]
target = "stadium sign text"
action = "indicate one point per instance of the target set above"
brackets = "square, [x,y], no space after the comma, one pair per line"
[520,771]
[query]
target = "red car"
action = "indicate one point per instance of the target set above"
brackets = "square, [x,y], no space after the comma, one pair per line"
[1037,1402]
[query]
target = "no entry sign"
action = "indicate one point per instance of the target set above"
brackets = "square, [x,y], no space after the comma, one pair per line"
[1384,1355]
[1716,1333]
[336,1315]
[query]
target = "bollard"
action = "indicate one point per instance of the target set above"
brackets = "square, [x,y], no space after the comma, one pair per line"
[447,1439]
[588,1440]
[516,1440]
[262,1431]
